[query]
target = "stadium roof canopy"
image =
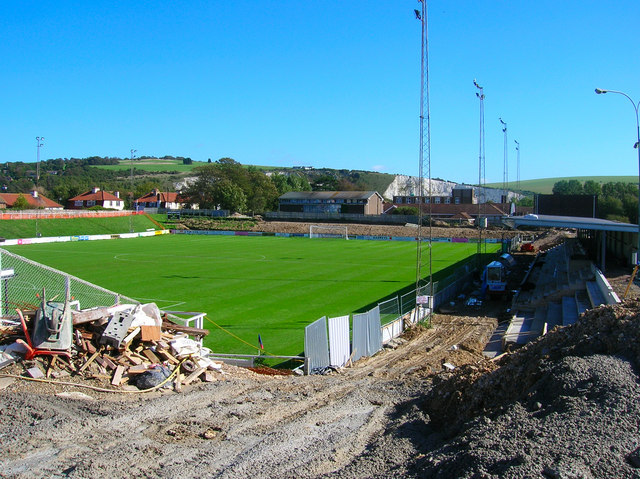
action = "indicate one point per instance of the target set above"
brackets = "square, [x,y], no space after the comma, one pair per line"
[548,221]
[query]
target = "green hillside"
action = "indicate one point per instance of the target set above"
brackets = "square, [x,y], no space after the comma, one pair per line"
[545,185]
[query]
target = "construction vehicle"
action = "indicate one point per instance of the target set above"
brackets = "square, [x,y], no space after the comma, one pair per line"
[494,276]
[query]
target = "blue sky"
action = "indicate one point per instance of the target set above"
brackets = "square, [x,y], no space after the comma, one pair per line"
[324,83]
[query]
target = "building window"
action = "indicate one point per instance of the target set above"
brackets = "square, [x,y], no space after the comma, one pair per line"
[437,200]
[457,200]
[447,201]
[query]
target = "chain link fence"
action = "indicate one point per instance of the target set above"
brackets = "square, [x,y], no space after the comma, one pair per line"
[22,281]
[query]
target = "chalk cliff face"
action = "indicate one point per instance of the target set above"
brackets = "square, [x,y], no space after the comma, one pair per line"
[409,185]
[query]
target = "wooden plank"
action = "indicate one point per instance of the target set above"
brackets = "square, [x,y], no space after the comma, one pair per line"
[127,340]
[52,365]
[89,361]
[35,372]
[108,362]
[166,324]
[81,317]
[137,369]
[194,375]
[177,384]
[134,359]
[151,333]
[117,375]
[168,356]
[152,357]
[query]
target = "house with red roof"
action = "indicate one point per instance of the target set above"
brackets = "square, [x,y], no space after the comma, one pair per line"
[96,197]
[161,199]
[35,200]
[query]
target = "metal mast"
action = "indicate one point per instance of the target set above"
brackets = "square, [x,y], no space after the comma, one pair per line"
[133,152]
[423,264]
[518,165]
[481,198]
[505,174]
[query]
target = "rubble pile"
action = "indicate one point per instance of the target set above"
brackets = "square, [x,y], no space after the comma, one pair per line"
[565,405]
[484,387]
[123,347]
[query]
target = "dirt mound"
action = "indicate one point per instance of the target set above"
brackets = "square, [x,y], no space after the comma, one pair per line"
[564,406]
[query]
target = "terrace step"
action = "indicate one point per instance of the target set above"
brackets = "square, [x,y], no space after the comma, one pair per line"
[569,310]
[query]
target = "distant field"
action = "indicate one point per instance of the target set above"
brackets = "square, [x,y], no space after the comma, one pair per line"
[545,185]
[249,285]
[153,165]
[12,229]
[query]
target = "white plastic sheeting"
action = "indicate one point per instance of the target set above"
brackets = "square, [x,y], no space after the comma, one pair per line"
[339,347]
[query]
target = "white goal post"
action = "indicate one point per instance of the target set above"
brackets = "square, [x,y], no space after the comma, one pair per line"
[328,231]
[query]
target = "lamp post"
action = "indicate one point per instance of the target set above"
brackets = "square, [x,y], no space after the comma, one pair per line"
[636,106]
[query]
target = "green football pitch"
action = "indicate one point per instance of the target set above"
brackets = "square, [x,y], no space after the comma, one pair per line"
[270,286]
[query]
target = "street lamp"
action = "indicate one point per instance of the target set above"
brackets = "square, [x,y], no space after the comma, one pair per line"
[600,91]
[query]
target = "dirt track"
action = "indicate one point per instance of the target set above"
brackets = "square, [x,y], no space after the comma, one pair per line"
[254,425]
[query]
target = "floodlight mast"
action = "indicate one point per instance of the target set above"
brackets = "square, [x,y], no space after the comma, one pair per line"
[425,152]
[518,164]
[481,199]
[505,171]
[133,152]
[636,106]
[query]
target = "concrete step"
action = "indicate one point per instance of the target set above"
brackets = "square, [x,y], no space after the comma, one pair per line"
[595,295]
[518,332]
[582,301]
[569,310]
[554,315]
[539,320]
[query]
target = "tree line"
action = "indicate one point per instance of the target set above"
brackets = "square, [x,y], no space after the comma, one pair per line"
[224,183]
[617,201]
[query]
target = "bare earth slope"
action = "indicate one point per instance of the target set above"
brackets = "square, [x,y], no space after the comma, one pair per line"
[258,426]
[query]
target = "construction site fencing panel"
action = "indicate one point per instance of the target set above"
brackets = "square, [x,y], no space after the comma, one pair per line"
[316,346]
[339,346]
[374,333]
[359,347]
[22,279]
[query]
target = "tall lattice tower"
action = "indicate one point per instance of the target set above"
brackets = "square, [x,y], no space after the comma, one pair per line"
[424,250]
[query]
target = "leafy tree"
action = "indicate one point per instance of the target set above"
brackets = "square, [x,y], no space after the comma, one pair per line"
[611,208]
[325,183]
[592,188]
[525,201]
[262,193]
[187,161]
[571,187]
[229,196]
[405,210]
[21,203]
[20,185]
[630,207]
